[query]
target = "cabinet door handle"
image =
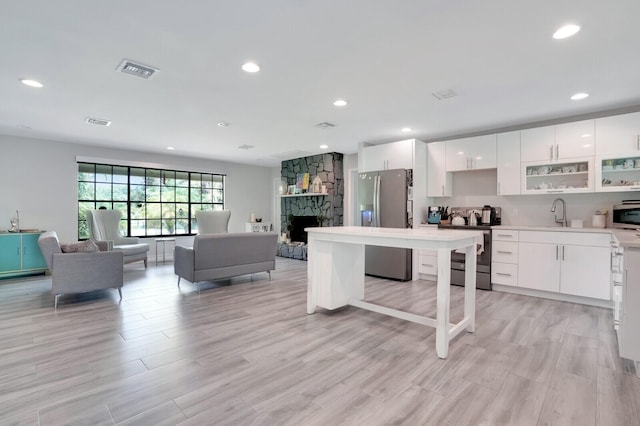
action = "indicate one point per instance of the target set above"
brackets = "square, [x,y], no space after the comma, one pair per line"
[18,250]
[503,274]
[550,152]
[562,253]
[556,252]
[505,235]
[557,151]
[638,142]
[442,189]
[427,264]
[498,188]
[504,252]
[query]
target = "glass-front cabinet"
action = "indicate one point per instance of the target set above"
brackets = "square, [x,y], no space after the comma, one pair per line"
[566,176]
[618,173]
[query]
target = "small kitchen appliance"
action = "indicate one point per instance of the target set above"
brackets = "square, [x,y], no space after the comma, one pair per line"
[488,215]
[433,214]
[627,214]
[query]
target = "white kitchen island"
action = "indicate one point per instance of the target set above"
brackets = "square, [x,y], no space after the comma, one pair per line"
[336,272]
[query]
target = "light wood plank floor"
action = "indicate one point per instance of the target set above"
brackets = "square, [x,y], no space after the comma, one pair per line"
[244,352]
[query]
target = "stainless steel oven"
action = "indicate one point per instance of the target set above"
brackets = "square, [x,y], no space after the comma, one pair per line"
[483,259]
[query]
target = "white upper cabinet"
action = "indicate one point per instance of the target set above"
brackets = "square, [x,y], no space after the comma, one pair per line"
[575,139]
[508,158]
[618,134]
[439,182]
[471,153]
[395,155]
[537,144]
[555,143]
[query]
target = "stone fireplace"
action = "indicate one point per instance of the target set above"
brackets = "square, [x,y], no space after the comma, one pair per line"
[308,208]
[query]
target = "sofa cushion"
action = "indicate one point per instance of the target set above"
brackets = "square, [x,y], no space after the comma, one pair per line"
[87,246]
[132,249]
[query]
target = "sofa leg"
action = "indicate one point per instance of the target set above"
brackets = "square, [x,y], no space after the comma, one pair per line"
[269,272]
[120,292]
[145,263]
[179,280]
[198,285]
[55,302]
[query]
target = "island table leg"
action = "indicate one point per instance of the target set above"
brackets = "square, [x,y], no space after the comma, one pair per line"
[443,293]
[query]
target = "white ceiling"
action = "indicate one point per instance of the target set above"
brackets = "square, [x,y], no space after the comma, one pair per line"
[385,57]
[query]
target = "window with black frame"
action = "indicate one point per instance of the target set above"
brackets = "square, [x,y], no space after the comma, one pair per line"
[153,202]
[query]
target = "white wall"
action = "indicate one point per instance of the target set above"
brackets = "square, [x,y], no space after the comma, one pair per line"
[38,178]
[477,188]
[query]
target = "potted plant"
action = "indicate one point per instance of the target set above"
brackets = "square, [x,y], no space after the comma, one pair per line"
[289,226]
[321,218]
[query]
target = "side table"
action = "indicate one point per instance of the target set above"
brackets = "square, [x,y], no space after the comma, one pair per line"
[164,242]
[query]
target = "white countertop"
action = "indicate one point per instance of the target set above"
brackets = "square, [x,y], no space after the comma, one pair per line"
[553,228]
[397,237]
[626,238]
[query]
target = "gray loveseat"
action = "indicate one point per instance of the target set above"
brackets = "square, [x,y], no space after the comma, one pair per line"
[217,256]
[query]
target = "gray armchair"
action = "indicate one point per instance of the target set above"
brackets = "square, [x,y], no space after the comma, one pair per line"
[213,222]
[81,272]
[104,225]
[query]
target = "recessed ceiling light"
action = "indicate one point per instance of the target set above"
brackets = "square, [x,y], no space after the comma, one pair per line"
[251,67]
[170,148]
[340,102]
[31,83]
[566,31]
[223,124]
[324,146]
[586,135]
[579,96]
[406,129]
[460,152]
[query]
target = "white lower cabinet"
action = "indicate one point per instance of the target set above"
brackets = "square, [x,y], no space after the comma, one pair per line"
[629,332]
[428,262]
[585,271]
[538,266]
[504,257]
[571,263]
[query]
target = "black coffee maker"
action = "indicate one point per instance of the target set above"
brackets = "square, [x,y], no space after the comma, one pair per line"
[488,215]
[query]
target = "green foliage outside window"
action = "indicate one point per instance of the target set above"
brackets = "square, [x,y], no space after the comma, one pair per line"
[153,202]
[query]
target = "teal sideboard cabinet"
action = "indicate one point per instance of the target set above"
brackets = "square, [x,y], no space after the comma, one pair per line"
[20,254]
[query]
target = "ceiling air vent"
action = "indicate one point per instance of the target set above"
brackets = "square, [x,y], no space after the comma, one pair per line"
[246,146]
[445,94]
[139,70]
[324,125]
[97,121]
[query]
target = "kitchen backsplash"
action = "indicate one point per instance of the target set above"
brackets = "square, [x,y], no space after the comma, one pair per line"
[478,188]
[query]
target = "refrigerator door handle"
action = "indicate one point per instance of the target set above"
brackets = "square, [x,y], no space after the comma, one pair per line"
[376,202]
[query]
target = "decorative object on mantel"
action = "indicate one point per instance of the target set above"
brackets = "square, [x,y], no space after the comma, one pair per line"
[284,187]
[15,223]
[321,218]
[291,189]
[302,182]
[316,187]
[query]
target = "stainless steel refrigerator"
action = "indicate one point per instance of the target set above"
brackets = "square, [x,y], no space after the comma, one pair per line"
[383,203]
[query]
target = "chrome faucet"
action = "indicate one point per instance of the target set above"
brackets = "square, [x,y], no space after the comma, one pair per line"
[563,219]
